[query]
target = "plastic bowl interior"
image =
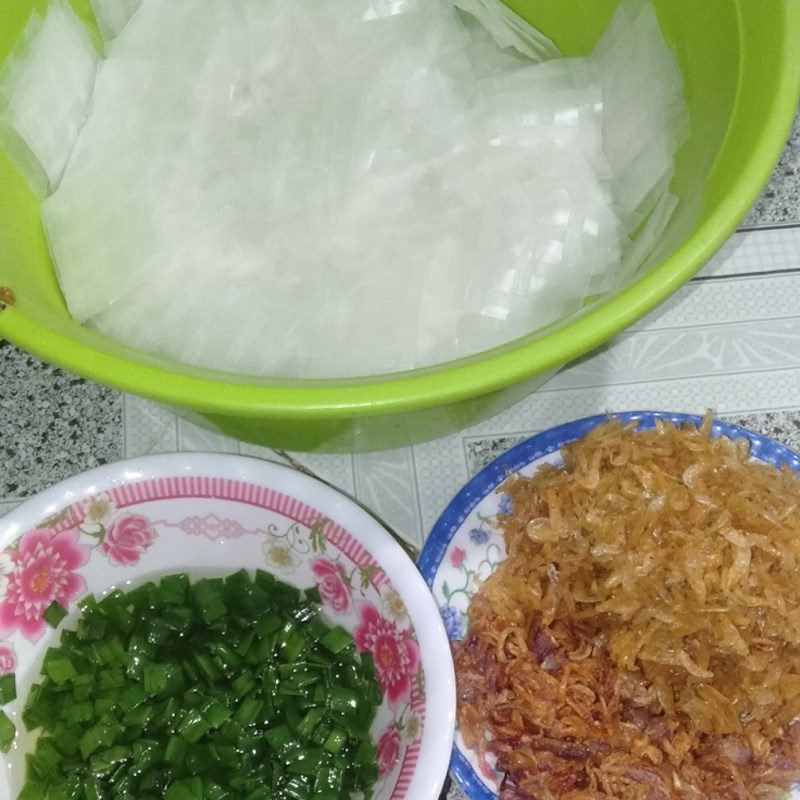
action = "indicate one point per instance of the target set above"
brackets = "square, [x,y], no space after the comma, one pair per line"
[134,521]
[742,72]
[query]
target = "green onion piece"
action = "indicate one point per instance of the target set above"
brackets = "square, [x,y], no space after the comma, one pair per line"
[107,761]
[306,763]
[337,640]
[60,670]
[176,750]
[213,791]
[244,684]
[335,742]
[278,737]
[343,700]
[79,712]
[216,714]
[194,727]
[207,596]
[102,734]
[54,614]
[248,711]
[33,791]
[174,590]
[8,688]
[7,733]
[185,789]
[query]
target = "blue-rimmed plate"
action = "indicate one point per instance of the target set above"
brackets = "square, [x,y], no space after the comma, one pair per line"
[464,546]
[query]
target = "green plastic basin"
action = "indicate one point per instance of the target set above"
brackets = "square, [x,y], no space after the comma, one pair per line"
[741,64]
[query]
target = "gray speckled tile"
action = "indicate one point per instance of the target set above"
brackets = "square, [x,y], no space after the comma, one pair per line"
[452,791]
[780,200]
[482,451]
[52,424]
[782,426]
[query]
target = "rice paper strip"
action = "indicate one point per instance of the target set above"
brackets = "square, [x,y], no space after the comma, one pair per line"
[45,89]
[349,187]
[113,15]
[509,29]
[645,119]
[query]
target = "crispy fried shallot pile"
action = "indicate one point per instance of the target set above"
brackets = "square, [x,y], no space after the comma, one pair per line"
[642,639]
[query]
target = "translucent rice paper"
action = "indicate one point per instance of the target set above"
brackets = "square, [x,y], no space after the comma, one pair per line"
[45,88]
[252,196]
[508,29]
[113,15]
[644,113]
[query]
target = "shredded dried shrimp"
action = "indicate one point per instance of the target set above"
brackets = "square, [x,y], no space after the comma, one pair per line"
[642,638]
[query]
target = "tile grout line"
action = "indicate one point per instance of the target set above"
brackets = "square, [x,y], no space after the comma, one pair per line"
[636,331]
[740,275]
[583,387]
[769,226]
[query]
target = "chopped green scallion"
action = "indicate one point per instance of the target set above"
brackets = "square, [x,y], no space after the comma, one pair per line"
[229,689]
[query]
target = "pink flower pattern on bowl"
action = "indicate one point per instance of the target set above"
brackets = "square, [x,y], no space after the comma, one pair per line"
[388,750]
[396,654]
[334,588]
[8,659]
[126,539]
[457,556]
[44,572]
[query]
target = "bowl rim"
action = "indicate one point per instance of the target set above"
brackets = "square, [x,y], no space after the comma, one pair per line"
[440,696]
[534,448]
[491,371]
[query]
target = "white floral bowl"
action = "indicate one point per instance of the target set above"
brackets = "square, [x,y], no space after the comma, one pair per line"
[130,522]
